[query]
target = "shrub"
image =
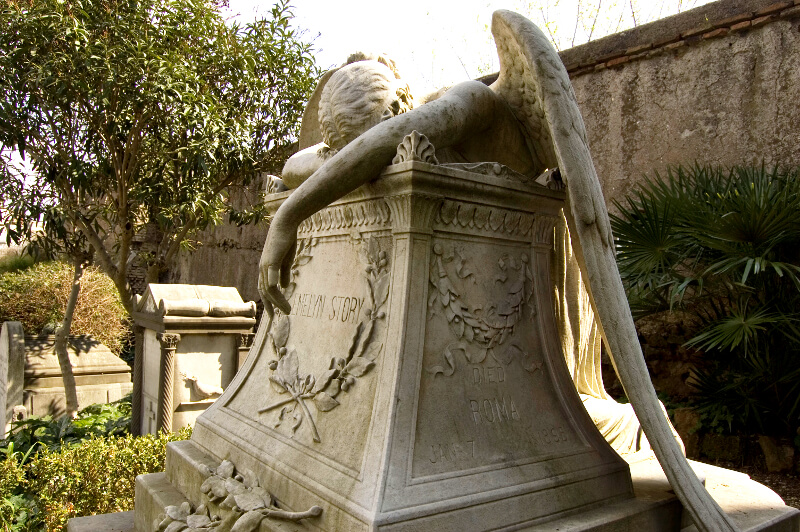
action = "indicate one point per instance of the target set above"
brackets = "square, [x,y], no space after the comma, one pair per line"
[17,512]
[14,262]
[37,295]
[100,420]
[53,470]
[97,476]
[721,248]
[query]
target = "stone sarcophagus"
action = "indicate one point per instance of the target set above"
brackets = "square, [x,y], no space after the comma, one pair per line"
[191,340]
[31,375]
[418,382]
[100,375]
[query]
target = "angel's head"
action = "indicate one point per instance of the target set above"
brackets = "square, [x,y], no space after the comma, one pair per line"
[357,97]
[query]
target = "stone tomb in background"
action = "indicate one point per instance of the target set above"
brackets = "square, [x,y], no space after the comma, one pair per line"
[100,375]
[34,384]
[418,383]
[191,341]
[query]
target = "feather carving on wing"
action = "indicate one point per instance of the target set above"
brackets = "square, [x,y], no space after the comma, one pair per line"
[536,86]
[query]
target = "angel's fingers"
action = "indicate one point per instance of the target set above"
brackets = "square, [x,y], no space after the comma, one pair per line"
[277,298]
[286,266]
[274,295]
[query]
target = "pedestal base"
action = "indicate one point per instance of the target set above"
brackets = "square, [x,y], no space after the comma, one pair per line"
[653,509]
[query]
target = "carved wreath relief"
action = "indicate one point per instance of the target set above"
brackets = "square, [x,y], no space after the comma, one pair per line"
[481,332]
[324,390]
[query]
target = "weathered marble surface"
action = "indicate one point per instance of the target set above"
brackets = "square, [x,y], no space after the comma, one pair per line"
[12,369]
[100,375]
[30,375]
[418,380]
[530,105]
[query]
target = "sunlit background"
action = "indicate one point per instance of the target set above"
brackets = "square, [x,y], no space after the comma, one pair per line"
[436,44]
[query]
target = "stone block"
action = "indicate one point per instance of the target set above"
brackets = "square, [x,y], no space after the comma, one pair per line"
[778,456]
[618,61]
[194,339]
[719,32]
[100,376]
[12,370]
[377,398]
[721,447]
[116,522]
[760,21]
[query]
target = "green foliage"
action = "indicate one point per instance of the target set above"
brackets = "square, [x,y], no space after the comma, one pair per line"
[38,295]
[96,476]
[140,113]
[14,263]
[17,512]
[101,420]
[722,249]
[54,470]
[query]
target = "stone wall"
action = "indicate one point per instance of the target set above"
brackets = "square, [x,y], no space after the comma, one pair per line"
[714,85]
[226,255]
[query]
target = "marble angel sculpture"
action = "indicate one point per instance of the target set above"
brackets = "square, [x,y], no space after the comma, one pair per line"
[528,120]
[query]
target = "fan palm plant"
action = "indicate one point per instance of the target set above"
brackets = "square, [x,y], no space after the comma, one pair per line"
[722,247]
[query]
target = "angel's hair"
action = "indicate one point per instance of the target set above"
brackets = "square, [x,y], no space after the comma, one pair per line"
[357,97]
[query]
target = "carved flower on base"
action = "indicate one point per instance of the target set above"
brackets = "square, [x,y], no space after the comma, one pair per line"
[415,147]
[240,502]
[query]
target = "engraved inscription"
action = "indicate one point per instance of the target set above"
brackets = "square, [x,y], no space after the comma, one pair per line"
[493,410]
[308,305]
[323,388]
[453,452]
[490,375]
[554,435]
[346,309]
[545,437]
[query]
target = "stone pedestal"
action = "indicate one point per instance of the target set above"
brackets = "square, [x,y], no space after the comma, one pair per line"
[418,383]
[189,341]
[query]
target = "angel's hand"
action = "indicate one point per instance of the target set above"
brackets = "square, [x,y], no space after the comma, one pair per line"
[275,266]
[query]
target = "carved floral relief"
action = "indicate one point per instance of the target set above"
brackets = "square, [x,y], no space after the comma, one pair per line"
[481,331]
[323,390]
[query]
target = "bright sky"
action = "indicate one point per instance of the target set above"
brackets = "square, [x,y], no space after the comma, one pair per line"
[438,43]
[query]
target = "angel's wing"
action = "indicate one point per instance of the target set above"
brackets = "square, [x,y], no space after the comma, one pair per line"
[535,84]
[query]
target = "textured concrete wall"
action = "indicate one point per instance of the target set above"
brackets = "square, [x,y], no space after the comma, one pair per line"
[722,94]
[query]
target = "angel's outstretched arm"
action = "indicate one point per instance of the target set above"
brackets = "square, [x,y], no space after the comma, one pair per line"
[464,110]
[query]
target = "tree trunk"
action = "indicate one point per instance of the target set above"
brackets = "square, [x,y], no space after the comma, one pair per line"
[61,344]
[153,273]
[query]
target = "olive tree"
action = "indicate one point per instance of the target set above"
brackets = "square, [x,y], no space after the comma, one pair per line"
[123,114]
[135,113]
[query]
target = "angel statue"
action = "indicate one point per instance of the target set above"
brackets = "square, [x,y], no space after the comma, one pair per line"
[527,120]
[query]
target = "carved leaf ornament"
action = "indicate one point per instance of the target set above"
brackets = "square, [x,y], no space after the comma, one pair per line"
[415,147]
[234,500]
[480,333]
[343,371]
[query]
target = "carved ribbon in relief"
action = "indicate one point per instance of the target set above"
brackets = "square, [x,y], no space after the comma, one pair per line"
[481,333]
